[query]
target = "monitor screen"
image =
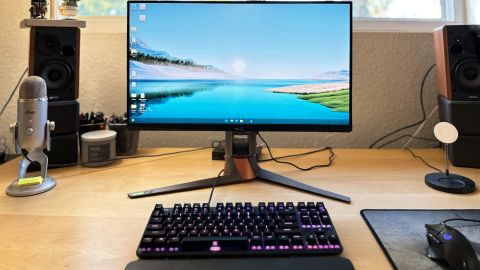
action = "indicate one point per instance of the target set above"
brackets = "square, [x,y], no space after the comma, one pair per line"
[281,66]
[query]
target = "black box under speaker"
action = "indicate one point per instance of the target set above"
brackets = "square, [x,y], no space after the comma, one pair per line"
[465,152]
[465,116]
[64,150]
[65,114]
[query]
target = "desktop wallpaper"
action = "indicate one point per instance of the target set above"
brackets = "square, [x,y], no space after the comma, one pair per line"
[239,63]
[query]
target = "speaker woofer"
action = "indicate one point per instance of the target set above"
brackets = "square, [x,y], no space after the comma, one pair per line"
[57,74]
[467,74]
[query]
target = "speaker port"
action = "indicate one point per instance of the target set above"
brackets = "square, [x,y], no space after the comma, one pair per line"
[456,49]
[68,50]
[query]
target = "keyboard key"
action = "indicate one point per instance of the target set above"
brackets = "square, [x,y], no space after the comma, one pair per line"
[311,239]
[287,231]
[205,243]
[283,240]
[147,240]
[161,242]
[297,239]
[256,240]
[332,239]
[288,224]
[270,240]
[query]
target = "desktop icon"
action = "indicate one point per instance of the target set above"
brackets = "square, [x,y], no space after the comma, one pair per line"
[142,17]
[142,106]
[134,73]
[134,6]
[133,52]
[143,6]
[142,95]
[133,29]
[134,106]
[134,40]
[133,95]
[134,84]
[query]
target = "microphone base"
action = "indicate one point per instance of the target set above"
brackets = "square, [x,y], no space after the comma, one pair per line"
[453,183]
[15,191]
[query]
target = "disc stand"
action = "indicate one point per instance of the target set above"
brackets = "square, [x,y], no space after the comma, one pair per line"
[447,182]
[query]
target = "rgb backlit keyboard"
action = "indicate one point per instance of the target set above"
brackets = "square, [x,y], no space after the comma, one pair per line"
[239,229]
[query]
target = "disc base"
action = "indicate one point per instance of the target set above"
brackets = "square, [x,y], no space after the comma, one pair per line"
[15,191]
[453,183]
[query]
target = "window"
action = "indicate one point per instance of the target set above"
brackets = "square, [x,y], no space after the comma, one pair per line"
[406,15]
[404,9]
[370,15]
[103,7]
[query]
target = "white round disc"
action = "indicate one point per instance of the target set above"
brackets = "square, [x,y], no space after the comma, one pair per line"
[445,132]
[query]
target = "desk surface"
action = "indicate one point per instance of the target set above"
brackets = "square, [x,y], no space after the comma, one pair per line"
[87,221]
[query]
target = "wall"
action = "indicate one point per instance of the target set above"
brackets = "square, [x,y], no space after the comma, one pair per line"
[387,72]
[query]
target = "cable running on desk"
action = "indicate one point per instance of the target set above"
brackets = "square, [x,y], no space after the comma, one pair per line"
[330,158]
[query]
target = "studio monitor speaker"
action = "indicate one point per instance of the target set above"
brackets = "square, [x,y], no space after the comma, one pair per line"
[54,56]
[457,56]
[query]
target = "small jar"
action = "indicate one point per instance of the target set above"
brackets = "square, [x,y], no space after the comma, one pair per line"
[98,148]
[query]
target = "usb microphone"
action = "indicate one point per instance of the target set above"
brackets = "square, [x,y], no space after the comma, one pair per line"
[31,135]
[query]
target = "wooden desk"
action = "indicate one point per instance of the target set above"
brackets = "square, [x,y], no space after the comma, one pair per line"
[87,221]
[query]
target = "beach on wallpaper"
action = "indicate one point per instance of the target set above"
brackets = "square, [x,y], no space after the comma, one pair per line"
[163,78]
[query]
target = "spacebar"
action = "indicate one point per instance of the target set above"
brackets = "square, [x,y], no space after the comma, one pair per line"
[215,243]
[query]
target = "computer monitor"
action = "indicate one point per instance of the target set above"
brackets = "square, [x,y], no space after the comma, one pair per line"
[239,67]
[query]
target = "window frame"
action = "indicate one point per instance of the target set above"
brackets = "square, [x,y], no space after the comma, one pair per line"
[413,25]
[118,24]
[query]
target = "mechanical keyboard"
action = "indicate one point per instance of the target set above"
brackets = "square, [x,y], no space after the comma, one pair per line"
[239,229]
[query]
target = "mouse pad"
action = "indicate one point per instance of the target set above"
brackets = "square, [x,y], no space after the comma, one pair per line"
[250,263]
[402,234]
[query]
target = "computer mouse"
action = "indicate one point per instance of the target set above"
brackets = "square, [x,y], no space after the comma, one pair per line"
[448,244]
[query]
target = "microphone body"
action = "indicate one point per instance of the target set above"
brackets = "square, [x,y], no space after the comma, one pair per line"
[31,121]
[32,114]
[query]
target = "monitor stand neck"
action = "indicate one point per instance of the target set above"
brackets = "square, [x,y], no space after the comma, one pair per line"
[241,166]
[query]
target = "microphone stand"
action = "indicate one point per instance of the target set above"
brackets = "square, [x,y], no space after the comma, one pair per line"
[36,155]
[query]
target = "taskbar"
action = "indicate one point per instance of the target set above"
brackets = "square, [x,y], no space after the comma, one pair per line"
[239,121]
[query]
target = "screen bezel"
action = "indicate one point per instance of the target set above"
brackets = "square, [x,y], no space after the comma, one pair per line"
[239,127]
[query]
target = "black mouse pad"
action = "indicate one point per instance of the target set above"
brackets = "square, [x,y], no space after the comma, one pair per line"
[402,234]
[243,263]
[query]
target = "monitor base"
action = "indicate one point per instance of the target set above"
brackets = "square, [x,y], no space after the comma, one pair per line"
[453,183]
[240,167]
